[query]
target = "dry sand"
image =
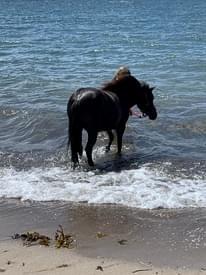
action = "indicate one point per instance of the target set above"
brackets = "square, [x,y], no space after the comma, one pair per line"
[16,259]
[156,242]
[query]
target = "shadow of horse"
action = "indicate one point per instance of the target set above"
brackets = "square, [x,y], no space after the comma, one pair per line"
[105,109]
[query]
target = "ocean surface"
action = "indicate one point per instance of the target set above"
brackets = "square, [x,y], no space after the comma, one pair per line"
[50,48]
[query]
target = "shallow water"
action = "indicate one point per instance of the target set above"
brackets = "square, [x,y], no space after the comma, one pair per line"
[50,48]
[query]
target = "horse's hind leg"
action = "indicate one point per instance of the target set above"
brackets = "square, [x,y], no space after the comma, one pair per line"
[92,137]
[74,155]
[111,138]
[75,137]
[120,132]
[79,142]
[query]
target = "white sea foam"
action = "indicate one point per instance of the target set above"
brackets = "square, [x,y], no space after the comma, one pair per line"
[143,187]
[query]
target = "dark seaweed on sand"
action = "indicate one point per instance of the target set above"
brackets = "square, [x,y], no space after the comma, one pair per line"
[29,238]
[62,239]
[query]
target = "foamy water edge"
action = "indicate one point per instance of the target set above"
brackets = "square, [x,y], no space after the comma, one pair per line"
[142,188]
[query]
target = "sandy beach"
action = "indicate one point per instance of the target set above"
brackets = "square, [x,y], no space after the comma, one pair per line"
[109,239]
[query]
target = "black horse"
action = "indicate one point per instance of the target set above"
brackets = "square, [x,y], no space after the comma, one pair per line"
[106,109]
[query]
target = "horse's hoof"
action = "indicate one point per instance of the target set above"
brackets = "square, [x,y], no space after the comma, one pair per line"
[74,165]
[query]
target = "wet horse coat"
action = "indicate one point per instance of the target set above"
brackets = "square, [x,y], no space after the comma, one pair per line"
[105,109]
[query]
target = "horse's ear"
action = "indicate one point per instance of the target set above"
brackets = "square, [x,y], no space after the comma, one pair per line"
[152,88]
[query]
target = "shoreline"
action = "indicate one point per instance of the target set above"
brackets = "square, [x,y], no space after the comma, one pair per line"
[162,240]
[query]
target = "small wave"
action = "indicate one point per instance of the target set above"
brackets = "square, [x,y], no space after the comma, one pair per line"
[9,112]
[194,127]
[145,187]
[23,130]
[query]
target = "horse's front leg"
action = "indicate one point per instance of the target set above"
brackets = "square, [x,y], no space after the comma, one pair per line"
[120,132]
[111,138]
[92,137]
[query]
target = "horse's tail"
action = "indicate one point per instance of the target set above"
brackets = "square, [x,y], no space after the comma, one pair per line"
[74,133]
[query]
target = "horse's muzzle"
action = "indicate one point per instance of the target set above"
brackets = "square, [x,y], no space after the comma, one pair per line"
[152,114]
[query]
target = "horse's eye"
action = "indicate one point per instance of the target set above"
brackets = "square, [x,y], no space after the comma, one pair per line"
[147,102]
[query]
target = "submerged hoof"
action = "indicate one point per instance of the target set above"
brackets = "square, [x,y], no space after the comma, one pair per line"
[119,154]
[74,164]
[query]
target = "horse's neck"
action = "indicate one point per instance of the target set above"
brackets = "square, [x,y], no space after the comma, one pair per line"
[123,90]
[125,100]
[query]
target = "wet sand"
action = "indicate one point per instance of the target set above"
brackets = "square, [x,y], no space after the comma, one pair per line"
[136,241]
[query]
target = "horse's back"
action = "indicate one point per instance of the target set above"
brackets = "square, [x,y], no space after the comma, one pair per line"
[94,108]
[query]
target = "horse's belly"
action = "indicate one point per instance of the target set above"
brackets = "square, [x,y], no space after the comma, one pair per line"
[108,122]
[100,121]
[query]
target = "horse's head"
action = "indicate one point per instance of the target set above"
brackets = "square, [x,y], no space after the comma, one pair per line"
[145,101]
[132,91]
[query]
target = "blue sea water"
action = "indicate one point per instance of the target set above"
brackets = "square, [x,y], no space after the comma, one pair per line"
[50,48]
